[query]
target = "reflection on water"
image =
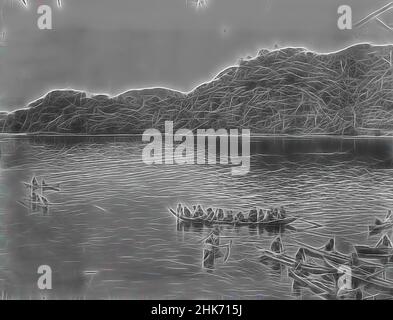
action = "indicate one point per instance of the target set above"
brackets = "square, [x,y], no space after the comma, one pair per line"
[109,233]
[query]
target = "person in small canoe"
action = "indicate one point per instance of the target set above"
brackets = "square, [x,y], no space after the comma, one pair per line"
[282,213]
[300,255]
[214,237]
[275,213]
[330,246]
[253,215]
[300,258]
[214,241]
[384,242]
[354,261]
[34,197]
[277,246]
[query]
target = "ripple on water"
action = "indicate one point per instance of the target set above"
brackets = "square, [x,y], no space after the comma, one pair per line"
[111,217]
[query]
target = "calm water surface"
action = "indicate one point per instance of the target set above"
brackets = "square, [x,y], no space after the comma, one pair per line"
[109,234]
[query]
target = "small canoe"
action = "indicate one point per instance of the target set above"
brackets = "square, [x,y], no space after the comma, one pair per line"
[373,252]
[372,280]
[278,222]
[339,258]
[289,261]
[380,227]
[321,254]
[313,284]
[212,252]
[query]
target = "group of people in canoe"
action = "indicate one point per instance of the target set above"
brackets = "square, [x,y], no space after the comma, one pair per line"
[254,216]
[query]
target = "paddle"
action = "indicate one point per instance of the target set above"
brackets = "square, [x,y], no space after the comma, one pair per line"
[228,252]
[375,273]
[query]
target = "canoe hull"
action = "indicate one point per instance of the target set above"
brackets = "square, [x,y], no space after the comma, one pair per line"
[314,286]
[289,261]
[374,252]
[280,222]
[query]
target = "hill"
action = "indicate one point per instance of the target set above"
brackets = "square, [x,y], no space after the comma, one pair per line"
[285,91]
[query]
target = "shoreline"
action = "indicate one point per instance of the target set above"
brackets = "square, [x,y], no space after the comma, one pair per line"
[253,136]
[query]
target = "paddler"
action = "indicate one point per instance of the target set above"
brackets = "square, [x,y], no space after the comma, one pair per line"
[300,255]
[209,214]
[354,261]
[187,212]
[384,242]
[213,241]
[253,215]
[277,245]
[198,212]
[300,258]
[220,214]
[261,215]
[268,215]
[229,216]
[330,246]
[282,213]
[239,217]
[214,237]
[275,213]
[179,210]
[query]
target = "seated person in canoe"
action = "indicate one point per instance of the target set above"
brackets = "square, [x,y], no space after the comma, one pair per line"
[253,215]
[277,245]
[384,242]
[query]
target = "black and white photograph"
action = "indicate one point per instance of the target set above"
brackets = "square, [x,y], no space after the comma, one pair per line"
[196,150]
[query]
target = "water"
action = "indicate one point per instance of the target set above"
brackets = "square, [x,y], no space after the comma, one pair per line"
[109,234]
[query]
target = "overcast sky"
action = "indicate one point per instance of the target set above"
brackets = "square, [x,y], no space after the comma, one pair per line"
[114,45]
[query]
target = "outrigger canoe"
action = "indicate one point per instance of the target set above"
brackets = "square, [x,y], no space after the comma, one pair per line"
[289,261]
[277,222]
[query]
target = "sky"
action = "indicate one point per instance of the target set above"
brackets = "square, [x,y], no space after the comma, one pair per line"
[110,46]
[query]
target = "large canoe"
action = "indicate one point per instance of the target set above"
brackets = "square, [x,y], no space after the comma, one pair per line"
[277,222]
